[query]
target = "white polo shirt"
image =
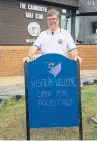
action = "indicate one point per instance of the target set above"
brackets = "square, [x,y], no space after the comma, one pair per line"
[60,42]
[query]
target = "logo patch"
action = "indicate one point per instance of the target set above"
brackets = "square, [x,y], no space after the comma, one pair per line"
[60,41]
[53,67]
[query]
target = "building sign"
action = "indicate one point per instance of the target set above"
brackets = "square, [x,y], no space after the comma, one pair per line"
[34,29]
[22,22]
[87,6]
[53,92]
[33,7]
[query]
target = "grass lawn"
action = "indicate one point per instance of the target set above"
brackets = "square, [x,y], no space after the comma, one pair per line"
[12,121]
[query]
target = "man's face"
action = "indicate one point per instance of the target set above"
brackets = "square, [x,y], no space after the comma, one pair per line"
[53,22]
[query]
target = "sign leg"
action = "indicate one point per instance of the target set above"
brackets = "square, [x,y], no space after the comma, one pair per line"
[80,109]
[27,107]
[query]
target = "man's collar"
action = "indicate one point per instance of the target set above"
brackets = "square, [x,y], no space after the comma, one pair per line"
[57,31]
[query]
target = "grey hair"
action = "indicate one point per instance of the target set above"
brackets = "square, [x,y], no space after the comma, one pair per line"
[53,12]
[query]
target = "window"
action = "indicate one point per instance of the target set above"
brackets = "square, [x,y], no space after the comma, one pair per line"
[66,20]
[94,27]
[86,30]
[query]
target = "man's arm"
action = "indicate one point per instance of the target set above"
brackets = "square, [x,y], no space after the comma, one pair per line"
[31,52]
[74,54]
[72,48]
[33,49]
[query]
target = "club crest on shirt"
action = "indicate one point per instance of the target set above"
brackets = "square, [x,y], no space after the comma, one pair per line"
[60,41]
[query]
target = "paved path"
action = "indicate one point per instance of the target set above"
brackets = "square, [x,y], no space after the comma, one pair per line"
[10,86]
[88,75]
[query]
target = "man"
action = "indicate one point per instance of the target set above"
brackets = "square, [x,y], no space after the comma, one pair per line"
[54,40]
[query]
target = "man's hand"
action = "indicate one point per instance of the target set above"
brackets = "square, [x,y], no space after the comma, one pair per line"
[26,59]
[78,58]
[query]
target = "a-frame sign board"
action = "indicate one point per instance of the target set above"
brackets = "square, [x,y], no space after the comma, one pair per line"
[53,95]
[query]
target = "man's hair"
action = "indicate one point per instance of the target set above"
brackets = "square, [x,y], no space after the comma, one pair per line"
[53,12]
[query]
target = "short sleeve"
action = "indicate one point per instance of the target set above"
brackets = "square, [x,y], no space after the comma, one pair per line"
[38,41]
[71,45]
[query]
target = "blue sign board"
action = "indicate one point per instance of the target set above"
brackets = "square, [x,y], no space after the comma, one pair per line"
[52,92]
